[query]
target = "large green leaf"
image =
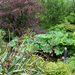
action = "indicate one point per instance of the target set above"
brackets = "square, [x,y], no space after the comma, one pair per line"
[58,50]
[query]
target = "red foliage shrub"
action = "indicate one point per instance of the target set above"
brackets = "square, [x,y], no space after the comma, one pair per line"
[17,15]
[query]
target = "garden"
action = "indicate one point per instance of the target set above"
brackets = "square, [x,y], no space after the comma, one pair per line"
[33,35]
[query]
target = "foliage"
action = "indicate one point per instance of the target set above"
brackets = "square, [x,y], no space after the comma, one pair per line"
[54,14]
[56,11]
[18,15]
[28,33]
[73,33]
[37,65]
[2,33]
[64,27]
[54,68]
[69,27]
[71,17]
[17,57]
[20,7]
[13,43]
[20,56]
[53,40]
[58,27]
[12,60]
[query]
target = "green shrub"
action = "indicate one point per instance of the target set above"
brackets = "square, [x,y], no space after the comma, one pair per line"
[69,27]
[53,68]
[64,27]
[58,27]
[23,55]
[29,33]
[58,68]
[73,33]
[55,12]
[71,17]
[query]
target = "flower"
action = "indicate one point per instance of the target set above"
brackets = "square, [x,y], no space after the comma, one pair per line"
[35,29]
[45,55]
[6,65]
[11,33]
[29,66]
[17,45]
[36,21]
[16,51]
[33,67]
[32,38]
[27,55]
[29,42]
[8,61]
[32,49]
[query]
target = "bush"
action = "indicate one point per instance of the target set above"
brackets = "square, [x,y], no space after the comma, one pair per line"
[69,27]
[71,17]
[55,11]
[73,33]
[58,68]
[21,59]
[52,68]
[19,15]
[58,27]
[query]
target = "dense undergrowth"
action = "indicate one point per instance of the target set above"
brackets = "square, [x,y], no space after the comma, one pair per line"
[24,50]
[18,55]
